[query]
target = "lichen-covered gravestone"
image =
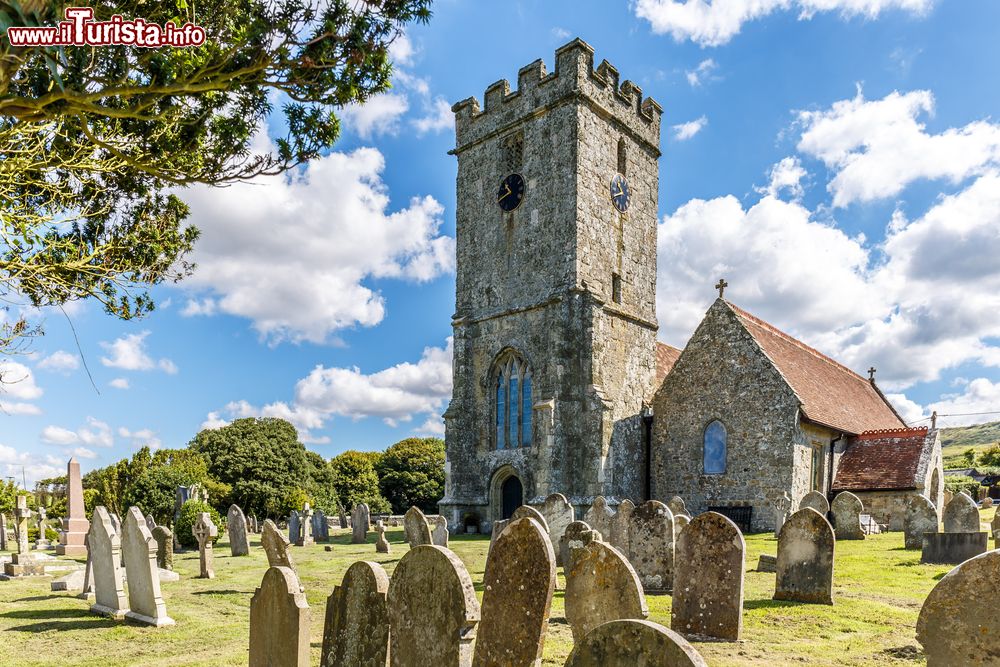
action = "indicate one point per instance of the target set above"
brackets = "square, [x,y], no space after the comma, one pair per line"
[558,515]
[306,531]
[651,545]
[3,532]
[847,509]
[356,628]
[708,581]
[360,523]
[205,532]
[144,598]
[995,528]
[294,527]
[782,506]
[236,526]
[529,512]
[619,527]
[416,528]
[817,501]
[680,522]
[518,584]
[920,518]
[342,515]
[276,546]
[321,527]
[677,506]
[106,549]
[88,572]
[433,610]
[439,534]
[600,517]
[805,559]
[279,621]
[573,537]
[627,643]
[601,586]
[958,623]
[164,547]
[961,515]
[381,544]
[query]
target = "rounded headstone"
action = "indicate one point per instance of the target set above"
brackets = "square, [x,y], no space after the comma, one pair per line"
[416,528]
[529,512]
[961,515]
[572,536]
[805,559]
[619,527]
[846,509]
[628,643]
[815,500]
[356,628]
[558,515]
[677,506]
[600,517]
[651,545]
[920,518]
[236,526]
[995,527]
[601,586]
[279,621]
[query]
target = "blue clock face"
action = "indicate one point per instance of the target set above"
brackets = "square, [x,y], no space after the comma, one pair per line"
[511,192]
[620,195]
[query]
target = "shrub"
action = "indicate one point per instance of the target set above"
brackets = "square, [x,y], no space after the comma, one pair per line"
[958,483]
[189,516]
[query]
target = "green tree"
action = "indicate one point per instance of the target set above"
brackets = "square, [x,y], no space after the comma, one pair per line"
[990,457]
[114,482]
[154,490]
[411,472]
[356,481]
[189,516]
[969,457]
[323,488]
[96,142]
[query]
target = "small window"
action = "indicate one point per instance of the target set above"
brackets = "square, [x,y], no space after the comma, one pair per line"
[621,157]
[715,448]
[511,152]
[817,468]
[616,288]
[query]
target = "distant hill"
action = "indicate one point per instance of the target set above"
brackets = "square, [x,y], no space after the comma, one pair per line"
[955,441]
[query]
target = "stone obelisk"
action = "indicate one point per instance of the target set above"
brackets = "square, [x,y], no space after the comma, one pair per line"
[75,525]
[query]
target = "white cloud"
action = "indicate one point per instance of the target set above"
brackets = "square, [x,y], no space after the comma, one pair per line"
[685,131]
[702,72]
[715,23]
[129,353]
[94,433]
[439,118]
[336,232]
[195,307]
[14,463]
[84,453]
[978,403]
[785,175]
[434,426]
[560,33]
[878,147]
[119,383]
[57,435]
[378,115]
[60,360]
[19,408]
[17,381]
[401,50]
[141,438]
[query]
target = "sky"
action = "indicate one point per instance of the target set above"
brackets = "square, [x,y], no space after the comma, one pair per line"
[837,161]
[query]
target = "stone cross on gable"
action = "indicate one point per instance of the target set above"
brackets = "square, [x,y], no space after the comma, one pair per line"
[871,374]
[721,286]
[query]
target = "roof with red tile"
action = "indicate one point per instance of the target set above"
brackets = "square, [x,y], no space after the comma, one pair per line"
[666,357]
[831,394]
[882,460]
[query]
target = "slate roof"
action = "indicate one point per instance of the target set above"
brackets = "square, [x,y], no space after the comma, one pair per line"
[666,357]
[831,394]
[882,460]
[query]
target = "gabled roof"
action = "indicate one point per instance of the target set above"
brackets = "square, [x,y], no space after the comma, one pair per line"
[831,394]
[882,460]
[666,357]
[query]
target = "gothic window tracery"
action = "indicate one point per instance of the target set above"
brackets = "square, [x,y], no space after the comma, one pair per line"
[512,402]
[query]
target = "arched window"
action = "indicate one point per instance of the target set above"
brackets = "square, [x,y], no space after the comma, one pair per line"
[512,402]
[715,448]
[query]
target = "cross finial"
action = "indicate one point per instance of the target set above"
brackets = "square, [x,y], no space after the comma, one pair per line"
[871,373]
[934,420]
[721,286]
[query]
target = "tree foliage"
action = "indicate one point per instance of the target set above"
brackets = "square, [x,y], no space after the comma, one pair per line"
[189,517]
[411,472]
[114,482]
[356,481]
[154,490]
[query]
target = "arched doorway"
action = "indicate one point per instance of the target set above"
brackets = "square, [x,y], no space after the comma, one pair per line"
[511,496]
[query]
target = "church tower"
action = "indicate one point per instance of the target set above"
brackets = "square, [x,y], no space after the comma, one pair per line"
[555,315]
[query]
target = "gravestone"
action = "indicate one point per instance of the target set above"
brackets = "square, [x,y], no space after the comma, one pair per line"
[573,538]
[767,563]
[958,624]
[846,509]
[518,584]
[433,611]
[680,522]
[3,532]
[23,563]
[439,533]
[356,627]
[236,526]
[619,527]
[995,528]
[952,548]
[144,598]
[42,521]
[276,546]
[164,547]
[360,522]
[381,544]
[294,527]
[205,532]
[181,496]
[106,547]
[987,503]
[600,517]
[342,516]
[529,512]
[817,501]
[87,589]
[601,586]
[498,527]
[677,506]
[416,528]
[782,509]
[708,581]
[651,545]
[279,621]
[961,515]
[628,643]
[805,559]
[75,525]
[948,496]
[920,518]
[306,527]
[321,529]
[558,515]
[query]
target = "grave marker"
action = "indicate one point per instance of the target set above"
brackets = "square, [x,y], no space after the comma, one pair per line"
[279,621]
[805,559]
[105,545]
[356,627]
[205,532]
[601,586]
[236,526]
[144,597]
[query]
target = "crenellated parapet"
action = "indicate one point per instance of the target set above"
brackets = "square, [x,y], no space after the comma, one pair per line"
[575,77]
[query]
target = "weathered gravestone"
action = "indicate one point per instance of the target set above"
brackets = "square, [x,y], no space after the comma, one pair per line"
[995,528]
[558,515]
[356,628]
[805,559]
[416,528]
[529,512]
[817,501]
[677,506]
[205,532]
[782,506]
[42,543]
[145,601]
[433,610]
[294,527]
[630,643]
[958,624]
[952,548]
[236,526]
[600,517]
[498,527]
[279,621]
[651,545]
[321,529]
[987,503]
[573,537]
[87,589]
[947,497]
[767,563]
[381,544]
[106,547]
[75,525]
[620,525]
[680,522]
[164,547]
[275,546]
[306,530]
[847,509]
[150,522]
[961,515]
[3,532]
[342,515]
[920,518]
[518,584]
[360,523]
[602,586]
[708,581]
[439,533]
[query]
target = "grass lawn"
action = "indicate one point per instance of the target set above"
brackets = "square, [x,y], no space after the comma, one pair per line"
[878,590]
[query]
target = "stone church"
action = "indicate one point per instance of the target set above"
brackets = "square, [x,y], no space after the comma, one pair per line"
[559,382]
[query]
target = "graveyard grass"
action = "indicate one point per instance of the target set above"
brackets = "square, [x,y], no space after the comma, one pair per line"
[878,590]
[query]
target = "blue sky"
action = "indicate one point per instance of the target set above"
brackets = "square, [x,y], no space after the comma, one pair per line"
[838,161]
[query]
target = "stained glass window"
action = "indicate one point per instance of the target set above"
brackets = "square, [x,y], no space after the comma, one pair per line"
[526,411]
[715,448]
[501,411]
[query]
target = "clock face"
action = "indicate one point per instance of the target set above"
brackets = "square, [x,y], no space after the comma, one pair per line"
[511,192]
[620,195]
